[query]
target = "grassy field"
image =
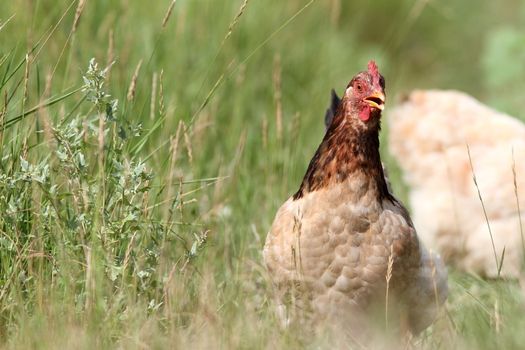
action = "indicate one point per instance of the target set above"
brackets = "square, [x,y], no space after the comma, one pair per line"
[146,145]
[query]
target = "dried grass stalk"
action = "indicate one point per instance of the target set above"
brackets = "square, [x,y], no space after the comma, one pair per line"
[133,85]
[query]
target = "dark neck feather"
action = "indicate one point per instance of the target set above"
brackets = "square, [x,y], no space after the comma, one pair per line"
[345,150]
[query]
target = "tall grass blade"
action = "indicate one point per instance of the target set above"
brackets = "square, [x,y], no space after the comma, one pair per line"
[484,211]
[515,183]
[48,103]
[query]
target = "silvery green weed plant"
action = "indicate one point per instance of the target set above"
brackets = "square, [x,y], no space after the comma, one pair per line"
[80,217]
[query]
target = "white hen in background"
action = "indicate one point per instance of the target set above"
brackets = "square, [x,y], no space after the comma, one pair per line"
[428,136]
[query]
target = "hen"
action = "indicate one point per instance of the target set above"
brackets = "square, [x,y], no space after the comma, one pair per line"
[428,136]
[337,241]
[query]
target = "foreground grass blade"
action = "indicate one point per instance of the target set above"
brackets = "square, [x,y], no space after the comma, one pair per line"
[12,121]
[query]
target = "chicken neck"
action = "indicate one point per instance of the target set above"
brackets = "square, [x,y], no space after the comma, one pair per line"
[347,149]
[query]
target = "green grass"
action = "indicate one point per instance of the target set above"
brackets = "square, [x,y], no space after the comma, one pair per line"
[141,224]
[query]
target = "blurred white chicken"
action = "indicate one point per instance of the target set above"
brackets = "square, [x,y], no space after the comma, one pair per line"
[428,136]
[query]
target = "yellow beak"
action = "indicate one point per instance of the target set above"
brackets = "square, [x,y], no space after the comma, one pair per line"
[376,100]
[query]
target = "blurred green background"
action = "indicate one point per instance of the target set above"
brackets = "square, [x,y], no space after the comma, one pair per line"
[251,80]
[477,47]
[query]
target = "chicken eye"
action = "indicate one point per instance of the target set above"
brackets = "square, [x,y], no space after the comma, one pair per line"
[359,87]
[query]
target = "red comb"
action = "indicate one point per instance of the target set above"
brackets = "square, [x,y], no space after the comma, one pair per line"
[372,69]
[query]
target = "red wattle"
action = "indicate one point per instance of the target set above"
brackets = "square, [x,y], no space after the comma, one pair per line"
[364,115]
